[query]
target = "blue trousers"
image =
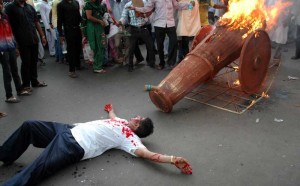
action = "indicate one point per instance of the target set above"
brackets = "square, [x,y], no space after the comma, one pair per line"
[61,149]
[58,50]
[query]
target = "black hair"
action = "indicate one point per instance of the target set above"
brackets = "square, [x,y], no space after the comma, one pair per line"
[145,128]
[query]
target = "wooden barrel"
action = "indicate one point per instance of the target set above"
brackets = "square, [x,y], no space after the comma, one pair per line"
[218,49]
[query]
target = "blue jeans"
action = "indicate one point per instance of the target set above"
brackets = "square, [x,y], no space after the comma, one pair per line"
[61,149]
[8,61]
[58,50]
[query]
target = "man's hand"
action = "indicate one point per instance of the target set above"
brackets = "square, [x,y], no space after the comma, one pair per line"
[183,165]
[44,41]
[110,110]
[131,8]
[120,23]
[17,52]
[108,107]
[62,40]
[193,3]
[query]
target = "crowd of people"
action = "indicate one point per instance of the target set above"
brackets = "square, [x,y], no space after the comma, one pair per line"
[106,32]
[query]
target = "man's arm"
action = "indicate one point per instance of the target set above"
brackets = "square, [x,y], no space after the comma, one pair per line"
[147,8]
[124,16]
[179,162]
[44,17]
[110,110]
[41,33]
[60,18]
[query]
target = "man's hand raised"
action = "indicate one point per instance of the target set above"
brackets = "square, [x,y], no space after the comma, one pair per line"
[131,8]
[108,107]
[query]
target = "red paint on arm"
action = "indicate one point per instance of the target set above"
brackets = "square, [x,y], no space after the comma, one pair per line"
[156,157]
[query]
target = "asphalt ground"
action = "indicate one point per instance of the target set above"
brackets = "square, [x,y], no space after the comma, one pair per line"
[223,148]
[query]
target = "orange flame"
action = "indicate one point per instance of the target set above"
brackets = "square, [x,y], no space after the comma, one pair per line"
[265,95]
[251,15]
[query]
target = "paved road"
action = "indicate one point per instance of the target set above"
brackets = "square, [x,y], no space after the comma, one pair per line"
[223,148]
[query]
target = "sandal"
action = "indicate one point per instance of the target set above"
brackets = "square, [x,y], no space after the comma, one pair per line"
[28,89]
[12,100]
[24,93]
[102,71]
[2,114]
[73,75]
[40,84]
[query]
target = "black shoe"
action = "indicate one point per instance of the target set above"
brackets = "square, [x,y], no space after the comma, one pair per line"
[295,58]
[130,69]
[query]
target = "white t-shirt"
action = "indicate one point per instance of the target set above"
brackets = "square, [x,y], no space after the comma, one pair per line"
[96,137]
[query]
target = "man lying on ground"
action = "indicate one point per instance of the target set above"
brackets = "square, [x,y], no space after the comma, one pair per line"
[66,144]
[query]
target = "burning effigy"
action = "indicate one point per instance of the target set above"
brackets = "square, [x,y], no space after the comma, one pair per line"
[240,33]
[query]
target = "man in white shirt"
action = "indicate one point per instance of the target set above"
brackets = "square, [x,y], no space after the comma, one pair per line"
[45,9]
[66,144]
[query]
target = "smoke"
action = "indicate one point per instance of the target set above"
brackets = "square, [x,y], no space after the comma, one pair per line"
[285,22]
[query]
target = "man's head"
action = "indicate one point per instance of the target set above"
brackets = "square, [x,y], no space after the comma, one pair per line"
[142,127]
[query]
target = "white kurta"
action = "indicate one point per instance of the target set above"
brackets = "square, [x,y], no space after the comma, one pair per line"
[45,9]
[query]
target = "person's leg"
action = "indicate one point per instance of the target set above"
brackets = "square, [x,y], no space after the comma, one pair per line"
[137,53]
[51,41]
[4,60]
[185,46]
[78,41]
[146,36]
[62,151]
[41,51]
[277,55]
[33,65]
[71,48]
[118,46]
[25,54]
[37,133]
[98,59]
[173,45]
[160,37]
[180,49]
[297,53]
[132,46]
[14,70]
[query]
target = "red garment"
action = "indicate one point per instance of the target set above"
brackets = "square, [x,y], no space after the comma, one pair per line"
[7,40]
